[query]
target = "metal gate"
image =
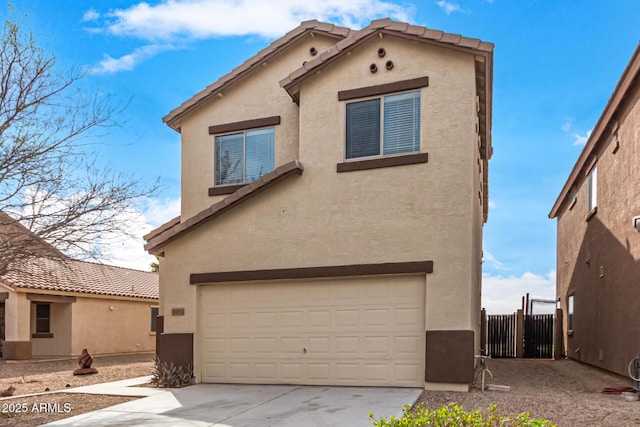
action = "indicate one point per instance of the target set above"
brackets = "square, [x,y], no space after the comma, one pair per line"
[538,336]
[501,335]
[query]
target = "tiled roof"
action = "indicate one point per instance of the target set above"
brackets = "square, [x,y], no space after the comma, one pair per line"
[158,238]
[266,54]
[384,25]
[623,91]
[23,241]
[83,277]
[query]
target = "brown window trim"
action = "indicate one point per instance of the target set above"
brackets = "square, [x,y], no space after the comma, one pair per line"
[363,92]
[314,272]
[245,125]
[42,335]
[591,213]
[225,189]
[383,162]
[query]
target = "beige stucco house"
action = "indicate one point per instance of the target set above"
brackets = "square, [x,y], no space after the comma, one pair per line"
[54,306]
[334,191]
[598,225]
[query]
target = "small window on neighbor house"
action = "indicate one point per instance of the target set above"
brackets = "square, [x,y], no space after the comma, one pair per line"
[43,318]
[570,312]
[244,157]
[593,188]
[154,319]
[384,126]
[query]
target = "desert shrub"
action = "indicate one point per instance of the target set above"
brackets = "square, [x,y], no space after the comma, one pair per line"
[452,415]
[170,375]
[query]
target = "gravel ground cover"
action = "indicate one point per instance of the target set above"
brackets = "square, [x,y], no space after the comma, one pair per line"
[566,392]
[38,376]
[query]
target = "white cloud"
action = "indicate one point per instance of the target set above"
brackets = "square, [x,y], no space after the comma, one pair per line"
[503,294]
[128,250]
[492,260]
[128,62]
[567,123]
[581,139]
[449,7]
[200,19]
[492,204]
[90,15]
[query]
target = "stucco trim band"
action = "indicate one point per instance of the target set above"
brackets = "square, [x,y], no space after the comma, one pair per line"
[313,272]
[449,357]
[50,298]
[16,350]
[363,92]
[4,296]
[382,162]
[244,125]
[225,189]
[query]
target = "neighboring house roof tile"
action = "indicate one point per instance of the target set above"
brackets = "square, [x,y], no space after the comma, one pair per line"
[628,83]
[166,233]
[83,277]
[331,30]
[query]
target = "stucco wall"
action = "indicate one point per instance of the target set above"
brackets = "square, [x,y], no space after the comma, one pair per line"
[111,326]
[257,97]
[607,307]
[60,327]
[408,213]
[17,318]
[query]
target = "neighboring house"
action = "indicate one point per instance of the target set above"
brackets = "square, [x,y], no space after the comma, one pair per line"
[334,191]
[54,306]
[598,253]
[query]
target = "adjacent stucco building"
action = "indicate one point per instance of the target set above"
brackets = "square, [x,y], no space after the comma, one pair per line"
[334,191]
[54,306]
[598,264]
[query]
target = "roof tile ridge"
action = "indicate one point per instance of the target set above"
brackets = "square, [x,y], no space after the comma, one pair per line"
[102,264]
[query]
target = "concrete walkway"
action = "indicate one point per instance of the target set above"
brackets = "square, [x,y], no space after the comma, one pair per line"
[232,405]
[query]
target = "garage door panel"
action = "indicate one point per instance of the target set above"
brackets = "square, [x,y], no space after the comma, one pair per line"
[292,319]
[407,316]
[266,320]
[408,345]
[351,337]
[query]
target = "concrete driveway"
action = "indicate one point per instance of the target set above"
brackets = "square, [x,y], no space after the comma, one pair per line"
[253,405]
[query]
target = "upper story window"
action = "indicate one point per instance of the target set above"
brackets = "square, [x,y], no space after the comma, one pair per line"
[383,126]
[593,188]
[244,156]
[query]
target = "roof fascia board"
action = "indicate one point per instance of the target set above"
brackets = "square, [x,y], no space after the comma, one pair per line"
[625,83]
[41,291]
[154,245]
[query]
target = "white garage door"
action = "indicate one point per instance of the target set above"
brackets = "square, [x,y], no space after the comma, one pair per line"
[360,331]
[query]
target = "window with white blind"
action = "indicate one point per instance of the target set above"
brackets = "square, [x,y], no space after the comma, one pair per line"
[386,125]
[243,157]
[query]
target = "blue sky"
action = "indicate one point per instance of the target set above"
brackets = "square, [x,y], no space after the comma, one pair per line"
[556,64]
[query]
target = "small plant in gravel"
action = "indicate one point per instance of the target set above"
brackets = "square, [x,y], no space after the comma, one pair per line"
[452,415]
[170,375]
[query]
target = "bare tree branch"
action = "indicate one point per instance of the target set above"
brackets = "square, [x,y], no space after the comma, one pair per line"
[50,187]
